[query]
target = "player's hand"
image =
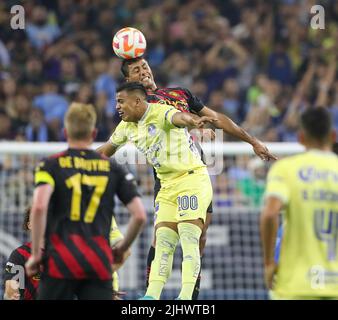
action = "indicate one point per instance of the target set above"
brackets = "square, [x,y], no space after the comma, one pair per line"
[12,290]
[200,122]
[269,274]
[204,134]
[120,256]
[262,151]
[32,266]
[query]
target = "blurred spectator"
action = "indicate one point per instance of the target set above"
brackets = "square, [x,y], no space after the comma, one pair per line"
[6,132]
[259,62]
[40,30]
[106,83]
[5,59]
[53,105]
[279,65]
[231,103]
[37,129]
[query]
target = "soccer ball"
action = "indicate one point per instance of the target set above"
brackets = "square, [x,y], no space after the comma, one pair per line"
[129,43]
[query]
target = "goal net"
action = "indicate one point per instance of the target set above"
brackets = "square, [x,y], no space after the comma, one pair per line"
[232,262]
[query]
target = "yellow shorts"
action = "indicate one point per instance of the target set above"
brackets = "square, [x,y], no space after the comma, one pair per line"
[184,198]
[115,234]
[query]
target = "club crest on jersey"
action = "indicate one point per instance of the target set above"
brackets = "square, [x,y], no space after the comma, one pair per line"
[174,94]
[152,130]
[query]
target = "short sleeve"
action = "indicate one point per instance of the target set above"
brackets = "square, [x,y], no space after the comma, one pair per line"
[119,137]
[127,187]
[165,115]
[277,182]
[44,173]
[195,104]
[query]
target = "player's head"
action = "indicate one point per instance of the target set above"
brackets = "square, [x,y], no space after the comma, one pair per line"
[316,128]
[80,121]
[131,101]
[26,220]
[138,70]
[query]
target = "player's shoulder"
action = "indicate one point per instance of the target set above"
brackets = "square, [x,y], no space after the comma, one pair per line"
[21,253]
[283,164]
[176,91]
[52,158]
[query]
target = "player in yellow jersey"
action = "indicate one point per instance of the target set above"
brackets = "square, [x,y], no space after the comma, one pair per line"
[159,133]
[306,186]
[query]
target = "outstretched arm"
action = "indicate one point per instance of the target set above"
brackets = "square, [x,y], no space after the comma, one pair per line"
[228,126]
[189,120]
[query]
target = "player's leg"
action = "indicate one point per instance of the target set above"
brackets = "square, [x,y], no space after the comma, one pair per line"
[190,233]
[195,194]
[56,289]
[94,289]
[151,254]
[115,237]
[166,240]
[203,241]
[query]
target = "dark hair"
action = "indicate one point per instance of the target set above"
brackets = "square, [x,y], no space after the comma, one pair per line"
[317,123]
[26,219]
[126,63]
[132,86]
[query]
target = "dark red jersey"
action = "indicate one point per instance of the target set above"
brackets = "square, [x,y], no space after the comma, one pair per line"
[80,212]
[18,258]
[180,98]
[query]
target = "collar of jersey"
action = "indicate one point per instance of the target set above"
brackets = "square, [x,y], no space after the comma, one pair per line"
[322,152]
[145,114]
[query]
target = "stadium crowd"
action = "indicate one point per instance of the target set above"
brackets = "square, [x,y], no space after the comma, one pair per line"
[258,61]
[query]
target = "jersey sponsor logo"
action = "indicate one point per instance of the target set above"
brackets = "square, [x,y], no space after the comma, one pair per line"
[311,174]
[182,213]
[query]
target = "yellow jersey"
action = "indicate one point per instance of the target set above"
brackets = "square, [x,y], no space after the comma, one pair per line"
[169,149]
[308,186]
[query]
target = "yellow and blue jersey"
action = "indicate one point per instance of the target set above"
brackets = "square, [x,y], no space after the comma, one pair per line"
[307,184]
[170,150]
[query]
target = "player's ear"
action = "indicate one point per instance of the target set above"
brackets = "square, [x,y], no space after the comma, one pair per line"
[301,137]
[333,136]
[94,134]
[65,133]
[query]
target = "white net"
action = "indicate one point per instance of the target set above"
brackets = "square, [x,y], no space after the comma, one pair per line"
[232,262]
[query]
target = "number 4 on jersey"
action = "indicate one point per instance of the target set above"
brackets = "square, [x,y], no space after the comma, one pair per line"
[326,228]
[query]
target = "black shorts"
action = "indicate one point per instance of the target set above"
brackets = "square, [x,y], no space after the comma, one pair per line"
[66,289]
[157,188]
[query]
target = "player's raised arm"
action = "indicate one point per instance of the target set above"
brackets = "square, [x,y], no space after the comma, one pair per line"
[228,126]
[189,120]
